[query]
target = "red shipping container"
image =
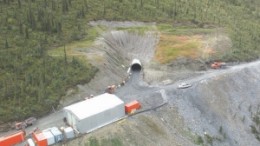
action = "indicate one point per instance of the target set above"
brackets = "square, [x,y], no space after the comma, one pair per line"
[12,139]
[40,139]
[132,106]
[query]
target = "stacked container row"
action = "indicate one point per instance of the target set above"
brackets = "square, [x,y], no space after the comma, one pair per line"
[52,135]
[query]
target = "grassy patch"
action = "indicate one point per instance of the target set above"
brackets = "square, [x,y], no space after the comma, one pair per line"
[255,128]
[199,141]
[104,142]
[73,47]
[152,125]
[112,142]
[138,29]
[209,139]
[93,142]
[72,50]
[171,47]
[182,30]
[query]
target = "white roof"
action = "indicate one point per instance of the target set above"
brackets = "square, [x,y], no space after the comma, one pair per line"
[94,105]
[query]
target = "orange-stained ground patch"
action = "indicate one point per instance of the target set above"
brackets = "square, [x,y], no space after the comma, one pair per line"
[171,47]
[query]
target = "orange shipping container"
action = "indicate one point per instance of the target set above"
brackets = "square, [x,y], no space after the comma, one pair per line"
[40,139]
[12,139]
[132,106]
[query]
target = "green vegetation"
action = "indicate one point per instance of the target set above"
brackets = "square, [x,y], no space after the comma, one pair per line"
[183,30]
[207,139]
[93,142]
[199,141]
[108,142]
[171,47]
[255,128]
[152,125]
[139,29]
[184,41]
[33,77]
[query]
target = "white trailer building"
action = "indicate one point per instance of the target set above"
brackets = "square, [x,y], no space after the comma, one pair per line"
[94,113]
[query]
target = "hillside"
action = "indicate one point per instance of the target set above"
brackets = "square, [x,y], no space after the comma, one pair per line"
[33,80]
[221,108]
[207,113]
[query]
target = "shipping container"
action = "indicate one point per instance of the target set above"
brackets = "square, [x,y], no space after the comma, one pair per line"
[58,136]
[12,139]
[50,138]
[94,113]
[40,139]
[69,133]
[132,107]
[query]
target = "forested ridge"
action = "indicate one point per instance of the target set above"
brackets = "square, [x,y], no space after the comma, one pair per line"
[31,81]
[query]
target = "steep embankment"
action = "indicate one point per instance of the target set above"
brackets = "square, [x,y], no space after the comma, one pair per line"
[221,105]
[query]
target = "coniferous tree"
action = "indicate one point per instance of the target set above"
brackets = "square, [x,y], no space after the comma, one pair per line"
[26,33]
[20,27]
[6,44]
[65,6]
[19,3]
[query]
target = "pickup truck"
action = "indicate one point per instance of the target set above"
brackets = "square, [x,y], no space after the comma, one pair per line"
[28,122]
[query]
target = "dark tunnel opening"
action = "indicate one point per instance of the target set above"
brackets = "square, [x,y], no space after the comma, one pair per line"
[136,67]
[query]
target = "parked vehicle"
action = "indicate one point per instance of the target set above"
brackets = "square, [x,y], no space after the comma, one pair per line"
[28,122]
[184,85]
[218,65]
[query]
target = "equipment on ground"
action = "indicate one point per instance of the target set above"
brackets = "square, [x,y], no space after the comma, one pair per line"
[28,122]
[184,85]
[131,107]
[110,89]
[218,65]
